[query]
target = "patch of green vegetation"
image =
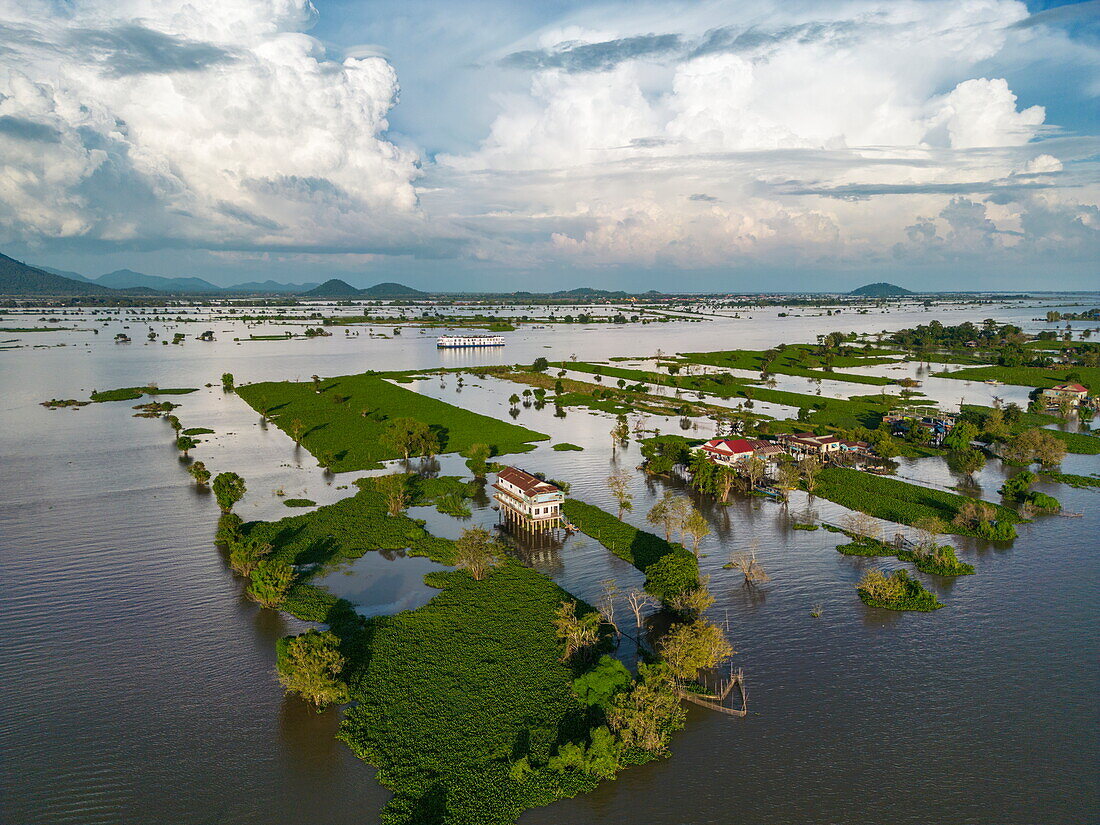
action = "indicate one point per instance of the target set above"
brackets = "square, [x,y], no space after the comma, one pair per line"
[1041,377]
[344,422]
[670,568]
[565,446]
[896,592]
[133,393]
[56,403]
[1072,479]
[198,431]
[299,502]
[452,695]
[36,329]
[794,359]
[1078,443]
[828,412]
[939,560]
[904,503]
[804,527]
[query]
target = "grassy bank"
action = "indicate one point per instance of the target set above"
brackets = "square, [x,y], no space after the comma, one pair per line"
[1041,377]
[670,568]
[898,501]
[343,424]
[866,411]
[796,359]
[133,393]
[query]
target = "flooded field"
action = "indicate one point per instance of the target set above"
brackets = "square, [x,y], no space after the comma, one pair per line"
[139,683]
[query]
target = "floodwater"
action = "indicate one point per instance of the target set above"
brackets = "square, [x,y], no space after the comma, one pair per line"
[138,684]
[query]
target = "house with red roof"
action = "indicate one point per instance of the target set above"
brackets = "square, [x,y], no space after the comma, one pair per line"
[1074,393]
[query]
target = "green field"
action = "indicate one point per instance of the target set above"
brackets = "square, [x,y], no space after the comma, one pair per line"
[345,421]
[796,359]
[1041,377]
[897,501]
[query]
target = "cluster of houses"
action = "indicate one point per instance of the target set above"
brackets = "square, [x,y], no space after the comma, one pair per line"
[731,452]
[937,422]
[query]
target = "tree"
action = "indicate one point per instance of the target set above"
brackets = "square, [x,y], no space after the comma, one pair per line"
[966,462]
[696,526]
[809,466]
[271,579]
[227,382]
[312,666]
[862,526]
[316,382]
[693,646]
[297,429]
[694,601]
[477,552]
[540,365]
[245,554]
[513,399]
[750,568]
[1033,446]
[408,436]
[477,457]
[639,600]
[575,632]
[600,684]
[788,478]
[663,513]
[395,490]
[199,472]
[753,469]
[620,433]
[175,423]
[229,488]
[619,485]
[880,587]
[646,716]
[185,444]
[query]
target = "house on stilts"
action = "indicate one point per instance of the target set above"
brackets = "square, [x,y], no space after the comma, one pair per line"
[528,502]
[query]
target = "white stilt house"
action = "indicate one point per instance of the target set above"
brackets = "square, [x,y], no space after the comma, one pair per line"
[527,501]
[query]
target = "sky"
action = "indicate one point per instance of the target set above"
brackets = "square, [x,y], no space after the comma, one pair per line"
[482,145]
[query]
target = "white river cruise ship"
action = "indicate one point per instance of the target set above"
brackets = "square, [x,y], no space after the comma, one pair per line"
[457,341]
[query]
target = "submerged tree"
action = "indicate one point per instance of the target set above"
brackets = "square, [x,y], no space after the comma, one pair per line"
[477,457]
[693,646]
[229,488]
[227,382]
[648,715]
[185,444]
[575,632]
[297,429]
[619,485]
[639,600]
[271,579]
[199,472]
[245,554]
[395,490]
[663,513]
[696,526]
[477,552]
[620,433]
[408,437]
[312,666]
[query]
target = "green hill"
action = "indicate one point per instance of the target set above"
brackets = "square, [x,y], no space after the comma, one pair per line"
[16,278]
[392,290]
[332,288]
[880,290]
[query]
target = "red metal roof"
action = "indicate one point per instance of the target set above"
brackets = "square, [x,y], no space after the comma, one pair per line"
[1070,387]
[528,484]
[734,446]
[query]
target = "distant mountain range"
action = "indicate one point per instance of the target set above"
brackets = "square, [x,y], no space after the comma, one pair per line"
[880,290]
[335,288]
[129,279]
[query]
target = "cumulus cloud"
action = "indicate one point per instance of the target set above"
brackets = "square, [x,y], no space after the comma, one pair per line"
[822,131]
[209,122]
